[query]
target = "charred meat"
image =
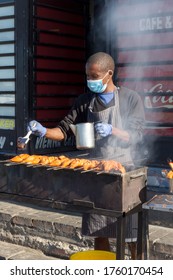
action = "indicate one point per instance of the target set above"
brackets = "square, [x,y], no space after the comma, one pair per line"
[72,163]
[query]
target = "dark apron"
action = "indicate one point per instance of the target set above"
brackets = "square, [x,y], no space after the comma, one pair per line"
[108,147]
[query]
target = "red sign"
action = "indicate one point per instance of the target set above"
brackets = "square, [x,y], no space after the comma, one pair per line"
[145,58]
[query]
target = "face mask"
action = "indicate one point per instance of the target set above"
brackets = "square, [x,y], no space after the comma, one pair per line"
[97,86]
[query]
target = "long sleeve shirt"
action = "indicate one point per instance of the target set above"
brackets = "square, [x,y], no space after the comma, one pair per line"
[131,111]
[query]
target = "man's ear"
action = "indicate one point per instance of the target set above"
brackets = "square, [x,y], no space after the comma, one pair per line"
[110,73]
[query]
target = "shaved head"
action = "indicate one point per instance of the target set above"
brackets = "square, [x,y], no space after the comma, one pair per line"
[104,60]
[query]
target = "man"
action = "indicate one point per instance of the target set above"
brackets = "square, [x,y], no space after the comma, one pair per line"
[119,118]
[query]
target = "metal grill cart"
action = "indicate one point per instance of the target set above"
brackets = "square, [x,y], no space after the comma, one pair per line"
[112,194]
[161,203]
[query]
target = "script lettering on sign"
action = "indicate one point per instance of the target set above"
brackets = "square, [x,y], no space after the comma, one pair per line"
[2,141]
[158,101]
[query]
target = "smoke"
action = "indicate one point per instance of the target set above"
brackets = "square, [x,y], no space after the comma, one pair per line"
[138,34]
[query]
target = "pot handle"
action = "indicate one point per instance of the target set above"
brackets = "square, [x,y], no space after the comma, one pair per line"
[137,175]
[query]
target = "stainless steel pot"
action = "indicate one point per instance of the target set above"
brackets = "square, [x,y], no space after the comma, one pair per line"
[84,133]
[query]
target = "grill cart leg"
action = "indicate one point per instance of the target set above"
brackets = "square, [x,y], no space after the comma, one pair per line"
[120,247]
[141,236]
[145,241]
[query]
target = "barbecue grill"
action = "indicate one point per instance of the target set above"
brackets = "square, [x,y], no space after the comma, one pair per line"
[113,193]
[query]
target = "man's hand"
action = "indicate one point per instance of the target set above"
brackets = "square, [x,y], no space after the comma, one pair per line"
[103,129]
[36,128]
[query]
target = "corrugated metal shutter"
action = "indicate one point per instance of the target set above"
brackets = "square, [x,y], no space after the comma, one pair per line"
[7,66]
[59,58]
[7,76]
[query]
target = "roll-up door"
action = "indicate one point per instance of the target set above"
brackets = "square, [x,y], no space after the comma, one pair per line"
[59,58]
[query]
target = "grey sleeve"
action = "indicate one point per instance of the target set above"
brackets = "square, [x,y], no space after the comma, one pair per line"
[136,120]
[133,116]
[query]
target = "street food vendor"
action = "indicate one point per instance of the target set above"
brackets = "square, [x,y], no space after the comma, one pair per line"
[118,116]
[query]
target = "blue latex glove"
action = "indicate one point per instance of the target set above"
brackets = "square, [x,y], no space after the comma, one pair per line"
[36,128]
[103,129]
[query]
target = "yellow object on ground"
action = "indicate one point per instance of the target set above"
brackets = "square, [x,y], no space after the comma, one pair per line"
[93,255]
[170,174]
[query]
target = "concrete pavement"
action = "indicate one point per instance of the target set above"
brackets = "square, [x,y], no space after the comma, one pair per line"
[31,232]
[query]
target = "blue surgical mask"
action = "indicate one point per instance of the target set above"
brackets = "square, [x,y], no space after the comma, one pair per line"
[97,86]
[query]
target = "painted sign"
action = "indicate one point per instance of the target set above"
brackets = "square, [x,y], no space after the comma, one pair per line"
[7,124]
[2,141]
[144,33]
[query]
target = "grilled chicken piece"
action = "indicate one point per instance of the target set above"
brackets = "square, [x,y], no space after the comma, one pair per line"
[67,162]
[86,165]
[58,161]
[19,158]
[51,159]
[33,159]
[62,157]
[55,162]
[90,164]
[77,163]
[46,160]
[111,165]
[121,168]
[24,156]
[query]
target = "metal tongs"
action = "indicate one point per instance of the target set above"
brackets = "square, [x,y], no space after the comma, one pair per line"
[22,141]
